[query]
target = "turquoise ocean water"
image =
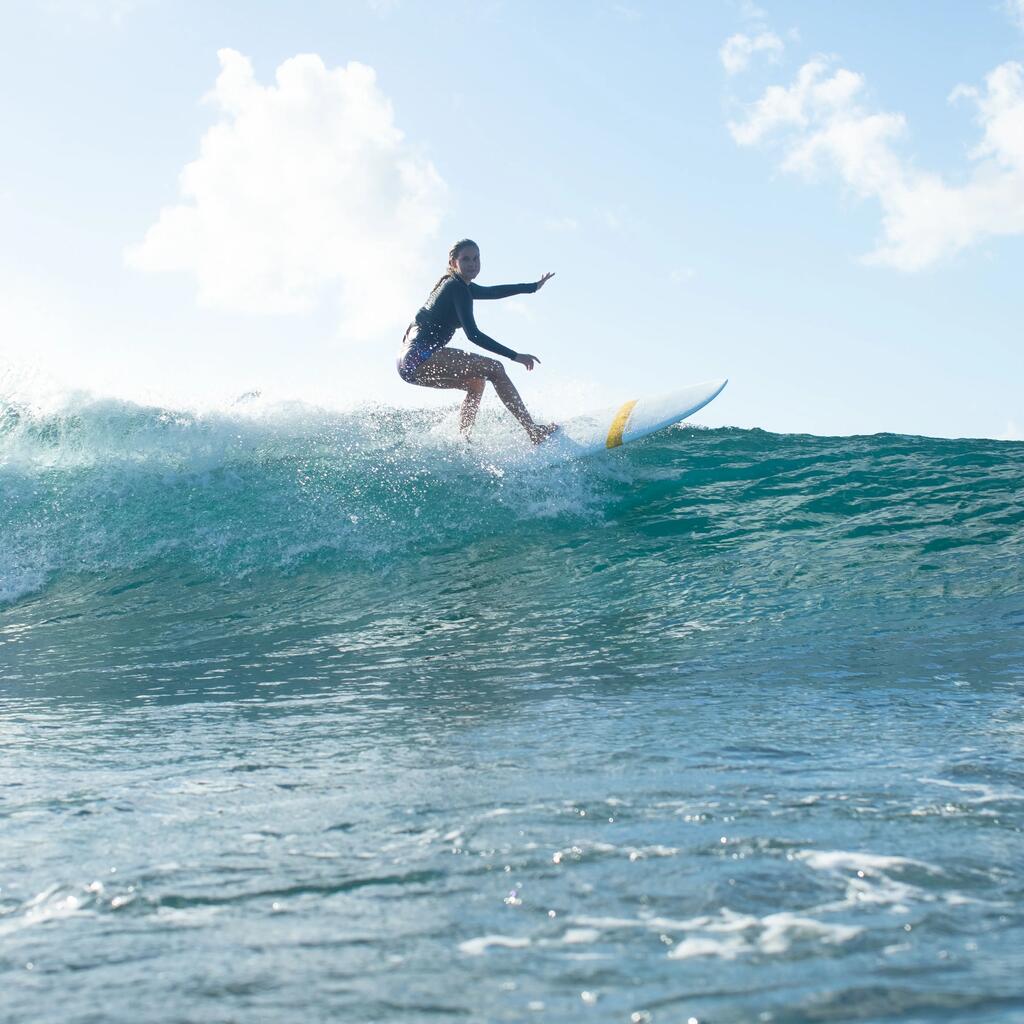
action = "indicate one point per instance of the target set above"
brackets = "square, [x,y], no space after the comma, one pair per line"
[313,717]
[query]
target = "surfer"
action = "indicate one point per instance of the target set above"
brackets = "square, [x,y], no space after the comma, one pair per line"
[424,358]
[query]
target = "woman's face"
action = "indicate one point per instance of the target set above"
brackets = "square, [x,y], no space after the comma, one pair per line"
[467,263]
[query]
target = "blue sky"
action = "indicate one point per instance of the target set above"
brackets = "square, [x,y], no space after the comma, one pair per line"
[822,201]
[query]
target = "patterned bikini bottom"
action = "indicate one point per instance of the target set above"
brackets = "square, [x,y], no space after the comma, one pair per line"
[417,348]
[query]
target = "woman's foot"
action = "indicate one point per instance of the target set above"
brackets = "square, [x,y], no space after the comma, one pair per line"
[541,431]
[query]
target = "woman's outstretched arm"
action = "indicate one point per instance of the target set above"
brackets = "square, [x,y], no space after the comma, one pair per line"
[500,291]
[503,291]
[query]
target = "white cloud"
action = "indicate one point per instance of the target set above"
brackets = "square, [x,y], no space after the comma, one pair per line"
[303,186]
[749,11]
[737,50]
[1015,8]
[823,126]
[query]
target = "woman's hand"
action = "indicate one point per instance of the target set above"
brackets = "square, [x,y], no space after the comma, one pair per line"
[540,283]
[527,360]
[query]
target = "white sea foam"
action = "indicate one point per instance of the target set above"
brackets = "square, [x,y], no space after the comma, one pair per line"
[781,929]
[771,935]
[978,792]
[726,949]
[872,878]
[480,945]
[53,903]
[577,851]
[729,934]
[840,860]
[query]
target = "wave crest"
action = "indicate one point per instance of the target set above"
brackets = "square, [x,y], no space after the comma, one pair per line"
[107,484]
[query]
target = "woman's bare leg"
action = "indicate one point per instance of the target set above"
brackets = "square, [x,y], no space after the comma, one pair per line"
[452,368]
[471,404]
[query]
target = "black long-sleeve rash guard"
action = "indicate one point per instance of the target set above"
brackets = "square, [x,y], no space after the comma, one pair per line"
[450,307]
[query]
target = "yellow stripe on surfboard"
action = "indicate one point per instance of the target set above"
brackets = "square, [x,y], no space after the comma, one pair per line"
[619,425]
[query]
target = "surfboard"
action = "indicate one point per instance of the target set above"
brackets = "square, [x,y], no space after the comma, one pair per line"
[628,421]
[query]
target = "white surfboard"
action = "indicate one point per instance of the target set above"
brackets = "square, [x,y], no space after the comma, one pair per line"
[628,421]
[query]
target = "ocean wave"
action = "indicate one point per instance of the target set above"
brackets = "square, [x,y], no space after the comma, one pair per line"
[104,486]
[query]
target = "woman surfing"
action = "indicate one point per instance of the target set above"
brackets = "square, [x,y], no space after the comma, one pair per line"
[426,360]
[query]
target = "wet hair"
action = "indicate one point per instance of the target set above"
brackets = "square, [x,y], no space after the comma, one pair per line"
[453,254]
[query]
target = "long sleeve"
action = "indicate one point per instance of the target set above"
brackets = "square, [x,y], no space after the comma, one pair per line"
[500,291]
[464,309]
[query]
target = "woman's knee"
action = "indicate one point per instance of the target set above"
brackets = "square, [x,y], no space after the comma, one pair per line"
[492,369]
[476,385]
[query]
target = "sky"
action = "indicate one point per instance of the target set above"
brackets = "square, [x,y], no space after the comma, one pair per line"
[821,201]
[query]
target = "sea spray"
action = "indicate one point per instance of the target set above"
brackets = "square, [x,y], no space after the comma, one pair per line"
[103,485]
